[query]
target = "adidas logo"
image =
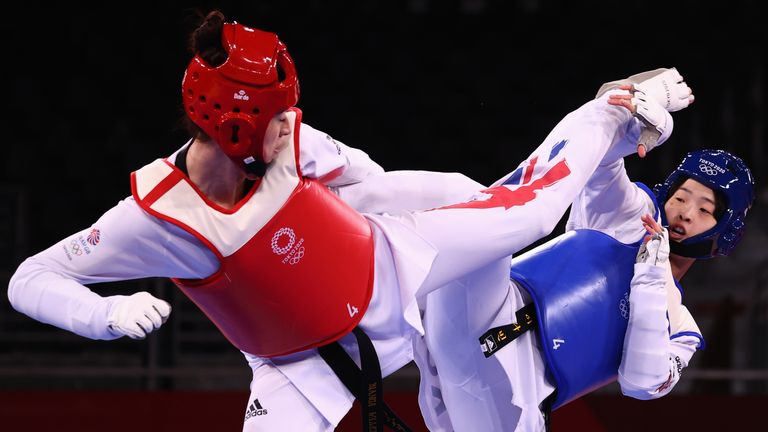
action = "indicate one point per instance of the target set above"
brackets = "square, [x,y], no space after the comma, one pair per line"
[255,409]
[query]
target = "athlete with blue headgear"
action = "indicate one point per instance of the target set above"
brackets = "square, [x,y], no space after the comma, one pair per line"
[460,388]
[731,185]
[702,206]
[603,299]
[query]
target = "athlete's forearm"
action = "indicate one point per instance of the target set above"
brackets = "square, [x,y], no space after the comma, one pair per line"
[49,297]
[645,368]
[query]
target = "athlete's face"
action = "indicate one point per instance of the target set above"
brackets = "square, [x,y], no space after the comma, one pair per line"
[276,137]
[690,210]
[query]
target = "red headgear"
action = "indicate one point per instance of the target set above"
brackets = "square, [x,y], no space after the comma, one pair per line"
[234,102]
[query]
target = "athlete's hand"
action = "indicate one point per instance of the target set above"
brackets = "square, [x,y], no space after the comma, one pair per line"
[655,118]
[137,315]
[655,248]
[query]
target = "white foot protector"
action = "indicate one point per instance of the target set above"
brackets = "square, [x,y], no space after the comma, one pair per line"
[666,86]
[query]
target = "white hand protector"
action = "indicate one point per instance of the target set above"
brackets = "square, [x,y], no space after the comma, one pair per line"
[137,315]
[656,250]
[654,116]
[668,89]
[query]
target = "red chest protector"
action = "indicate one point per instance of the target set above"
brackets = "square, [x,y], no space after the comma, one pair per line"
[295,274]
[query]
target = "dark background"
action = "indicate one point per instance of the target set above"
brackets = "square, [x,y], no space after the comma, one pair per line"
[91,92]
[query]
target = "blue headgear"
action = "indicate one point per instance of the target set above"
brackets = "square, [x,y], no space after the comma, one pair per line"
[728,176]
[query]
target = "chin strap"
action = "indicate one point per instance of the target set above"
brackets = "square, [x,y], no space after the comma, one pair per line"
[255,166]
[700,250]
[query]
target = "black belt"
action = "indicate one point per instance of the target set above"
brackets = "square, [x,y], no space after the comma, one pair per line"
[365,385]
[497,337]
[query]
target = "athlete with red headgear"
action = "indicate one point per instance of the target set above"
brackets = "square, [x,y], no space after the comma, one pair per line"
[243,220]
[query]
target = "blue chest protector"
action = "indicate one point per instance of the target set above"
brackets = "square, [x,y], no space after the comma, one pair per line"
[579,283]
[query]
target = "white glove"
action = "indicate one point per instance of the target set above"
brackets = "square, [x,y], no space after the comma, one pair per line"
[656,250]
[137,315]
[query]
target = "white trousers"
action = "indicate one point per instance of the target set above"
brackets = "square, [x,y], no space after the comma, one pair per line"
[468,285]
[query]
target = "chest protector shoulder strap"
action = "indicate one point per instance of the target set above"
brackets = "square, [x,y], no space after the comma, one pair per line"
[582,312]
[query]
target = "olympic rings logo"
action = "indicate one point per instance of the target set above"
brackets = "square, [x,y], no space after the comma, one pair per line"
[282,232]
[297,257]
[624,306]
[708,170]
[75,247]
